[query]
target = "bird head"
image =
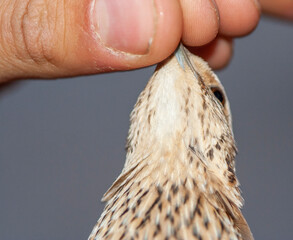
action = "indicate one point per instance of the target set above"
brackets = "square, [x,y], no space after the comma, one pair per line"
[181,127]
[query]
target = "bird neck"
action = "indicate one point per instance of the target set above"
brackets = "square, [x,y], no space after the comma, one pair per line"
[178,133]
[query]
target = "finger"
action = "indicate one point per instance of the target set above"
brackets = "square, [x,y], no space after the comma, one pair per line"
[217,53]
[49,39]
[280,8]
[238,17]
[200,21]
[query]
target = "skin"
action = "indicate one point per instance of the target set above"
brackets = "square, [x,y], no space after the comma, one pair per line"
[55,39]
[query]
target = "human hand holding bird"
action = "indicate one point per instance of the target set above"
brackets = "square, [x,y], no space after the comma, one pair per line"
[47,39]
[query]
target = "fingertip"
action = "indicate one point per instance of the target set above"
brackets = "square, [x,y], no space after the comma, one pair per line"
[280,8]
[218,53]
[238,17]
[167,34]
[200,22]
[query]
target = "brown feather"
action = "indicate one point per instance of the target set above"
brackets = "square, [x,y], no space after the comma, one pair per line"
[179,178]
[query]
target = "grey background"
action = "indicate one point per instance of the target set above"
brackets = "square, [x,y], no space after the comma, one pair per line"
[62,142]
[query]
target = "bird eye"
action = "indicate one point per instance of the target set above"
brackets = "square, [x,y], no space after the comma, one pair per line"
[218,94]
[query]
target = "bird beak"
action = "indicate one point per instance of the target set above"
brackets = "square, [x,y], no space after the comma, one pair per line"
[183,57]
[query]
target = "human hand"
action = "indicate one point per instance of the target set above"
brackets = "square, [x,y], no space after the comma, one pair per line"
[53,38]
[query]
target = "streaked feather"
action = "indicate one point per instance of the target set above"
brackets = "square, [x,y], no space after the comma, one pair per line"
[179,179]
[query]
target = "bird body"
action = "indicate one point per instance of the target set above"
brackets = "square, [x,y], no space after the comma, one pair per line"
[178,181]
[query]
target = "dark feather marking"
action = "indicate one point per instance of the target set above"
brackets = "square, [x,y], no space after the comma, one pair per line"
[204,104]
[222,226]
[208,131]
[196,209]
[206,223]
[141,197]
[160,207]
[122,236]
[155,233]
[158,226]
[193,180]
[140,190]
[192,148]
[103,218]
[159,190]
[113,203]
[197,164]
[184,183]
[177,209]
[174,188]
[199,211]
[188,90]
[112,213]
[232,178]
[143,221]
[210,154]
[170,217]
[126,210]
[186,198]
[133,209]
[169,198]
[153,205]
[135,217]
[200,116]
[149,118]
[230,169]
[106,233]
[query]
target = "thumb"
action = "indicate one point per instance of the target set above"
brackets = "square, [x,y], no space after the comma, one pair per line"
[53,38]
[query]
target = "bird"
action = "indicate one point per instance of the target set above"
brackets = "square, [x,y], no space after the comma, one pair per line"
[178,181]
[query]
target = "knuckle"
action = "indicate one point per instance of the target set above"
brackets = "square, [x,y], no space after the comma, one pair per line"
[34,32]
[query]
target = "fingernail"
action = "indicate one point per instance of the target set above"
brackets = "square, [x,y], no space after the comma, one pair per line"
[125,25]
[215,8]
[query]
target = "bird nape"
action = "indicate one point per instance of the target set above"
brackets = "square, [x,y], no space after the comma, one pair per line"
[178,181]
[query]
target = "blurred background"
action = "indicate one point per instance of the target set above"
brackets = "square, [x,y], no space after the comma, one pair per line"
[62,142]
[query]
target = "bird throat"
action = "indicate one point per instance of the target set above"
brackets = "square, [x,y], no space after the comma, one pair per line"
[179,162]
[179,130]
